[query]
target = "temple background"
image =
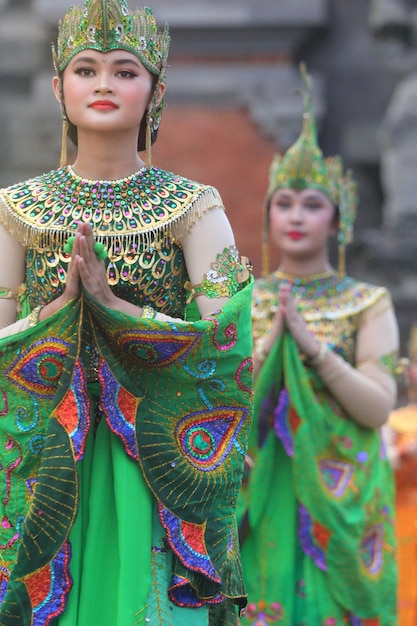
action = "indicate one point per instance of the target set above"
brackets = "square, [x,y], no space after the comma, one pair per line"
[232,102]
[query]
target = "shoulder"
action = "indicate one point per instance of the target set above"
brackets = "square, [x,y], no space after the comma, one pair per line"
[196,199]
[15,195]
[202,196]
[350,296]
[369,297]
[17,199]
[178,183]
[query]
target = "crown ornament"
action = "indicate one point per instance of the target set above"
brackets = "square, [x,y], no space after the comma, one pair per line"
[303,166]
[106,25]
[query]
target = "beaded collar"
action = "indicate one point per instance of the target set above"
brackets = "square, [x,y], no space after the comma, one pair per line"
[321,296]
[150,200]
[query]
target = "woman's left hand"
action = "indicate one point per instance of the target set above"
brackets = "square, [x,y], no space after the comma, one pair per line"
[295,323]
[92,270]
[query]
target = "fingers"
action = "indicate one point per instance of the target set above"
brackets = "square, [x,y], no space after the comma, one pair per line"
[284,293]
[86,269]
[72,284]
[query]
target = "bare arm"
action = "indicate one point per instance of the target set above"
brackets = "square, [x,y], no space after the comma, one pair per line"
[208,237]
[12,275]
[367,392]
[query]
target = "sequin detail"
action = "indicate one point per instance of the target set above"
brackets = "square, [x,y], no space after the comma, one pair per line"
[48,588]
[224,278]
[187,540]
[74,411]
[132,217]
[147,200]
[332,306]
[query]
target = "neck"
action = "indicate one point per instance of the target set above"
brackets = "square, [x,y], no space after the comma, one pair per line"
[301,267]
[106,158]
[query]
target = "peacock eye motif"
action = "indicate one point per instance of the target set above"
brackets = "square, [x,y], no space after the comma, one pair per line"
[207,437]
[39,369]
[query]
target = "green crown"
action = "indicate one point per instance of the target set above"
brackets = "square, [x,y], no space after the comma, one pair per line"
[107,25]
[304,167]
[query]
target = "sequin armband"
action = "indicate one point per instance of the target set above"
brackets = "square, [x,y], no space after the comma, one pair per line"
[227,274]
[391,363]
[7,294]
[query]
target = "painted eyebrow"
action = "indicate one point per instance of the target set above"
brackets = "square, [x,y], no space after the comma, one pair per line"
[312,194]
[95,61]
[124,61]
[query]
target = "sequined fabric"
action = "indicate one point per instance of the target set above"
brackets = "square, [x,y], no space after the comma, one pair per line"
[132,217]
[190,450]
[176,396]
[317,505]
[107,25]
[332,306]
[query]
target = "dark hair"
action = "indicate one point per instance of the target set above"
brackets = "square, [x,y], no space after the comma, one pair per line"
[72,129]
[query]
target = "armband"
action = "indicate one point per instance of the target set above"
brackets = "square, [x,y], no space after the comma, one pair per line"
[148,313]
[226,276]
[8,294]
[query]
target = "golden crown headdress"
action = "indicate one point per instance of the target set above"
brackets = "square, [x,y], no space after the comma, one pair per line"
[304,167]
[107,25]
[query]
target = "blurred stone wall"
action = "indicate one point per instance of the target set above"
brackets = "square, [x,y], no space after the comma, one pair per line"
[231,103]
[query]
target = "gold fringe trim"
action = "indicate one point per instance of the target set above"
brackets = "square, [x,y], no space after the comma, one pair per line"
[361,307]
[31,235]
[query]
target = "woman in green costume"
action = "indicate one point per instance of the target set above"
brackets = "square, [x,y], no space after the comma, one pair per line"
[124,413]
[316,513]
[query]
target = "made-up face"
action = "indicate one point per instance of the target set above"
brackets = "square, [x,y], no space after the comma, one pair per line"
[301,222]
[105,91]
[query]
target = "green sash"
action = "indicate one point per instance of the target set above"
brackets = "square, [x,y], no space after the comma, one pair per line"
[178,397]
[340,485]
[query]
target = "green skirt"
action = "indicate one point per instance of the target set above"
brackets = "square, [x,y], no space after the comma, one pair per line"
[119,565]
[284,585]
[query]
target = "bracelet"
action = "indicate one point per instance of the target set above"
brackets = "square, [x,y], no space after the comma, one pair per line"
[34,316]
[148,313]
[319,358]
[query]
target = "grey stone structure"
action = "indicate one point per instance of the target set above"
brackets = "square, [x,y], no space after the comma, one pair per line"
[212,44]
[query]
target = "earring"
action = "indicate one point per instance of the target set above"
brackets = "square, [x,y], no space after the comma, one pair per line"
[63,157]
[153,120]
[148,144]
[341,263]
[64,133]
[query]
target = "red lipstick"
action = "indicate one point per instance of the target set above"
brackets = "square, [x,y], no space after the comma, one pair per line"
[103,105]
[295,234]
